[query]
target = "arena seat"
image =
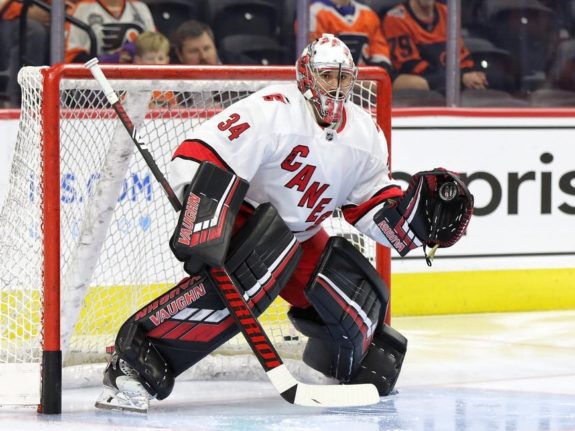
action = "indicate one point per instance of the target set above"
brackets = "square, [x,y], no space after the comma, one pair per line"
[495,62]
[169,14]
[262,49]
[526,29]
[259,17]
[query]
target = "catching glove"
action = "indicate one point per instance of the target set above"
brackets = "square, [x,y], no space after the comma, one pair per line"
[434,212]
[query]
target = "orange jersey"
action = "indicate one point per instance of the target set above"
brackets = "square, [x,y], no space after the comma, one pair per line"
[418,47]
[356,25]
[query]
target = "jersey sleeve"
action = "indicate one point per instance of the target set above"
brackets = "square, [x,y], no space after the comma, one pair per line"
[370,193]
[237,139]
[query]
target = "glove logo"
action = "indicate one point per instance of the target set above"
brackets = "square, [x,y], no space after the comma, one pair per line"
[391,235]
[448,191]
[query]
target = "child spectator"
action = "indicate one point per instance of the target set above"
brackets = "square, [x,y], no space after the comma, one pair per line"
[154,48]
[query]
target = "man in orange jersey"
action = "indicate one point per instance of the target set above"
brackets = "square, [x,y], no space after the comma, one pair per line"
[416,32]
[355,24]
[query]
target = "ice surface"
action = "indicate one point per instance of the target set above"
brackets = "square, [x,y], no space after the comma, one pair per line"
[495,372]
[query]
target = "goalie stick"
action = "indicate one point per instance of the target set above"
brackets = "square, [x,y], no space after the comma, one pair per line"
[290,389]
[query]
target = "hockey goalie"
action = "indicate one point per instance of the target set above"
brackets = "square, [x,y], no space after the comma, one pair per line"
[256,181]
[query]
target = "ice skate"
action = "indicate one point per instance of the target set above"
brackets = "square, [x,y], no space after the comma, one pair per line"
[122,391]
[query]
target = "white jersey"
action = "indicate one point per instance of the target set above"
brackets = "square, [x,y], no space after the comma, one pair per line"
[272,140]
[112,31]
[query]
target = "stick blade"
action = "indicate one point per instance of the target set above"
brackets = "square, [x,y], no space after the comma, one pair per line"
[304,394]
[335,395]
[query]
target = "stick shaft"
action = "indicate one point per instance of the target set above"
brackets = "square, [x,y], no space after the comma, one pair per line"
[114,100]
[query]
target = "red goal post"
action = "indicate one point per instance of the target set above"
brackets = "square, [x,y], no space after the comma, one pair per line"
[67,108]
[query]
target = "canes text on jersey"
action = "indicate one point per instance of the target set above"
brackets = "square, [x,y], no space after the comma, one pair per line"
[302,181]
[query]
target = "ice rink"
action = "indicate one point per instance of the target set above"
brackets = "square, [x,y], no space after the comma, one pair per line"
[489,372]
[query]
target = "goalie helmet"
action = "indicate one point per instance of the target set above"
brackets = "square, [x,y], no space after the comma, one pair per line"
[326,74]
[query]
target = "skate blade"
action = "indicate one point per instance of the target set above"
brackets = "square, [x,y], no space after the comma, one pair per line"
[121,402]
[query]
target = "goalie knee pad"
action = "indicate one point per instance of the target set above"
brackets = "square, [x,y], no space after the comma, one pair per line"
[382,364]
[349,302]
[141,354]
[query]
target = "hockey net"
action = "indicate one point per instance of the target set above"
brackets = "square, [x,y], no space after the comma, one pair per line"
[82,249]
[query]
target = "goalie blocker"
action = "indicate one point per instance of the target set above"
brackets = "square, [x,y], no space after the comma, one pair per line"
[211,204]
[348,339]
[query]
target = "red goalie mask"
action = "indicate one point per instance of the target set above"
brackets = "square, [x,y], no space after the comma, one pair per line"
[326,74]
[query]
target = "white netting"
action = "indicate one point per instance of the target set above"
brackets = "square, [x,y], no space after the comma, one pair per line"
[115,221]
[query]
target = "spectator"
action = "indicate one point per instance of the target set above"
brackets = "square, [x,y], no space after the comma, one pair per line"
[417,33]
[194,44]
[114,22]
[355,24]
[154,48]
[36,44]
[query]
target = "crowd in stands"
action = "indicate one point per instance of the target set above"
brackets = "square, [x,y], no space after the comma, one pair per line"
[512,53]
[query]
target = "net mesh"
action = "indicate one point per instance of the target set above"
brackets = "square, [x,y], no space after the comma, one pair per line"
[115,221]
